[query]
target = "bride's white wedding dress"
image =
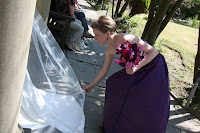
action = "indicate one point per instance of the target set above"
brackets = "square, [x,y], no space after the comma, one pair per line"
[52,95]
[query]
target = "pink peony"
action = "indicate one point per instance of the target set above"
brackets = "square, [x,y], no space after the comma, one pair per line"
[123,60]
[137,60]
[140,48]
[117,61]
[119,46]
[130,54]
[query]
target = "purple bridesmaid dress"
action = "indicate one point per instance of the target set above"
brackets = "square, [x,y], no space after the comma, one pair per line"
[138,103]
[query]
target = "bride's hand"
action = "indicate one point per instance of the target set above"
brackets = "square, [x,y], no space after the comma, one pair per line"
[130,71]
[88,88]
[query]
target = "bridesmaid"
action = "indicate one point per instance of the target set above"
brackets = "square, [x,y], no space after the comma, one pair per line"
[137,99]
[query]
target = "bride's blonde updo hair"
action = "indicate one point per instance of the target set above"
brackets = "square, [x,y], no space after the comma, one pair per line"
[104,24]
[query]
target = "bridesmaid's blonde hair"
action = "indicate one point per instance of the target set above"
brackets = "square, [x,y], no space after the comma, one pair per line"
[104,24]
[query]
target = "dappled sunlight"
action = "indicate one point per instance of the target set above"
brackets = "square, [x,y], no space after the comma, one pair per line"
[182,119]
[98,103]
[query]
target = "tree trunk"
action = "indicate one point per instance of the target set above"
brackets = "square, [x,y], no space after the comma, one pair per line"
[154,27]
[157,20]
[169,16]
[117,8]
[103,5]
[99,2]
[197,71]
[150,18]
[137,7]
[123,8]
[113,5]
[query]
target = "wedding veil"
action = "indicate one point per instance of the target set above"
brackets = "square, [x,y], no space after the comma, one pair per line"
[52,95]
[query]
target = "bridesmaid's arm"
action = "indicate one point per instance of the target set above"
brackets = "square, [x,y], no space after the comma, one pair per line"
[102,73]
[147,48]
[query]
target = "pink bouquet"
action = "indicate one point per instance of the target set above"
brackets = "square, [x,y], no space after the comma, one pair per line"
[130,55]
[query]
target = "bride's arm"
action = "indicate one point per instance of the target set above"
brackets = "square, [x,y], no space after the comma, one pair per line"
[147,48]
[102,73]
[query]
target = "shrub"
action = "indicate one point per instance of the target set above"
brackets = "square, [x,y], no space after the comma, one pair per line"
[146,3]
[193,22]
[190,8]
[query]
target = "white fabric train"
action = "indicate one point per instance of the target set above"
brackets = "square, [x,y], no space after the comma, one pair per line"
[52,95]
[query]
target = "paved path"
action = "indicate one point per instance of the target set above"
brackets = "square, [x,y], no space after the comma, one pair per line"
[86,65]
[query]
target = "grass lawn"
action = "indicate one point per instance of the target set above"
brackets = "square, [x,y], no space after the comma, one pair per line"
[182,39]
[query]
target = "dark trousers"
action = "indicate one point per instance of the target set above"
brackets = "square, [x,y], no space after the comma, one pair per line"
[81,16]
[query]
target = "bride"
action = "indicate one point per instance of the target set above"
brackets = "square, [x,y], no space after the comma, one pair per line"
[52,95]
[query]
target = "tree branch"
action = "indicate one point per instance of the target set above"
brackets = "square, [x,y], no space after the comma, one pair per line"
[123,8]
[113,9]
[150,18]
[169,16]
[117,8]
[157,20]
[197,60]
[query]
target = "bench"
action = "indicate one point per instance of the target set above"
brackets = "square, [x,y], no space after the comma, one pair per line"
[59,25]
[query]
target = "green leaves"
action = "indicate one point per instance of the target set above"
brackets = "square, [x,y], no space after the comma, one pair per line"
[146,3]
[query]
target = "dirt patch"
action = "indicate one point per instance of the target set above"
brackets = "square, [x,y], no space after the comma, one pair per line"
[178,87]
[180,77]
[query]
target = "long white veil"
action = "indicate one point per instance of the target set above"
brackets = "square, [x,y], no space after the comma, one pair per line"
[52,95]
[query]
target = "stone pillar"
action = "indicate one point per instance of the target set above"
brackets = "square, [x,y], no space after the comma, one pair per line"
[16,18]
[43,7]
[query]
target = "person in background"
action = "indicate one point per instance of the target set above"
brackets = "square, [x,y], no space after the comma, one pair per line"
[136,98]
[67,7]
[81,16]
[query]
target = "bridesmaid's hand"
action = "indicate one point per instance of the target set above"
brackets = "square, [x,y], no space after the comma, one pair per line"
[88,88]
[130,71]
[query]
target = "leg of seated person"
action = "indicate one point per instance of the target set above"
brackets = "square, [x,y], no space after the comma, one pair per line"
[81,16]
[78,29]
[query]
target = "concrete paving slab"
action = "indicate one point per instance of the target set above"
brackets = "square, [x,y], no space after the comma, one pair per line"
[182,119]
[98,93]
[172,129]
[93,113]
[84,71]
[87,55]
[87,130]
[97,49]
